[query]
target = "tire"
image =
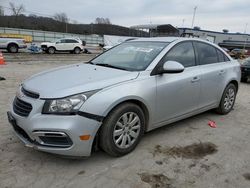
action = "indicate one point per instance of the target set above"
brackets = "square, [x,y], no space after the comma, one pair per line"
[12,48]
[227,100]
[243,80]
[51,50]
[77,50]
[119,145]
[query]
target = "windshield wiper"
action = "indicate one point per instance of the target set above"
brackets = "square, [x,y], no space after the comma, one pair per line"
[111,66]
[90,62]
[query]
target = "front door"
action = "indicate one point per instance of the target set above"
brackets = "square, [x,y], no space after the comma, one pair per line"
[178,94]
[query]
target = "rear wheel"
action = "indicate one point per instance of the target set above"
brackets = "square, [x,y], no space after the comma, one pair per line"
[51,50]
[77,50]
[122,129]
[227,100]
[12,48]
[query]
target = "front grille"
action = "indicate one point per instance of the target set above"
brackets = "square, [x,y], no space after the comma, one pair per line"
[21,107]
[30,93]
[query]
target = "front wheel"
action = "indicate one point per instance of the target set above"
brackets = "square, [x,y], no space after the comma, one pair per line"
[122,129]
[51,50]
[227,100]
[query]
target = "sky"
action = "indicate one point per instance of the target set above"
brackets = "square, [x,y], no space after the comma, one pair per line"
[213,15]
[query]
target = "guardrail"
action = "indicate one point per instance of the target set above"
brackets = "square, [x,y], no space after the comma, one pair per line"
[45,36]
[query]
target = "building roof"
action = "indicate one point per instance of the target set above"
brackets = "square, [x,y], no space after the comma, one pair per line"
[217,32]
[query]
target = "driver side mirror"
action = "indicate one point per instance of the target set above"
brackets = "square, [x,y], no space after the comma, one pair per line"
[171,67]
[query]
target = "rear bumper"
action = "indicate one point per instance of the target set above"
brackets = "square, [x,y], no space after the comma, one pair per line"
[30,129]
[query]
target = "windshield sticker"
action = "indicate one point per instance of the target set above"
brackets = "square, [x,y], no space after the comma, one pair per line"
[146,50]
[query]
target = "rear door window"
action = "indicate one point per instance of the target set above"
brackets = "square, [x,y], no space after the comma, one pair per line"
[207,54]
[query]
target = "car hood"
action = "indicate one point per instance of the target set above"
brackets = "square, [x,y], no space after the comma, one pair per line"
[73,79]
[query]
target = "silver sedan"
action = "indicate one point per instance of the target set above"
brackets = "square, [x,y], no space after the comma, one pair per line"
[112,100]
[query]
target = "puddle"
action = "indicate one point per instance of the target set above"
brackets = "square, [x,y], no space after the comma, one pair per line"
[156,180]
[247,176]
[193,151]
[159,162]
[81,172]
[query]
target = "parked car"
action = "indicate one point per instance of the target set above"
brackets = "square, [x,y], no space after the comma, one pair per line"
[72,45]
[245,70]
[130,89]
[237,53]
[12,45]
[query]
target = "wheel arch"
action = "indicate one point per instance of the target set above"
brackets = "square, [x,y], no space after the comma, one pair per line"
[138,102]
[12,43]
[234,82]
[51,47]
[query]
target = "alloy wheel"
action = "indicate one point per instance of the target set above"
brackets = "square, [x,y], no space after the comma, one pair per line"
[126,130]
[229,99]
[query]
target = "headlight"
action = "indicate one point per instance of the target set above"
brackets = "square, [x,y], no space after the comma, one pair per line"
[68,105]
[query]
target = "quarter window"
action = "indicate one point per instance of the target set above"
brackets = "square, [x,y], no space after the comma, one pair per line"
[207,54]
[182,53]
[221,57]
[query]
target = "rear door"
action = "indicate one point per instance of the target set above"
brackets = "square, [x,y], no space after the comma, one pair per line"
[178,94]
[71,44]
[213,67]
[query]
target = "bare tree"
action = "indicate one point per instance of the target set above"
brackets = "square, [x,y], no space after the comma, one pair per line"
[102,21]
[61,17]
[16,9]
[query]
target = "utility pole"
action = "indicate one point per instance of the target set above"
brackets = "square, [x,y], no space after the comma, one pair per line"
[245,28]
[245,31]
[195,8]
[183,21]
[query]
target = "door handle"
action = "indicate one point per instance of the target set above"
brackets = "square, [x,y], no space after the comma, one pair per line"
[195,79]
[222,72]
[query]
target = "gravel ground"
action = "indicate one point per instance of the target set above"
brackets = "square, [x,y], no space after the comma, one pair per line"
[185,154]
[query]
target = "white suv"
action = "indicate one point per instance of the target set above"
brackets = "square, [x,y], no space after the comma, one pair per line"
[72,45]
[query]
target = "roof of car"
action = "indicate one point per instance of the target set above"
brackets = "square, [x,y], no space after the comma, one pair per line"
[167,39]
[158,39]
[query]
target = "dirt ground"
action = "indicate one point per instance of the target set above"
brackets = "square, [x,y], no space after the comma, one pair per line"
[185,154]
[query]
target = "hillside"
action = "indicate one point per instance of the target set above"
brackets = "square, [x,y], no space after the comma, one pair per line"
[49,24]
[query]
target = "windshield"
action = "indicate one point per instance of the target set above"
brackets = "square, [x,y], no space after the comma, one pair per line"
[131,56]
